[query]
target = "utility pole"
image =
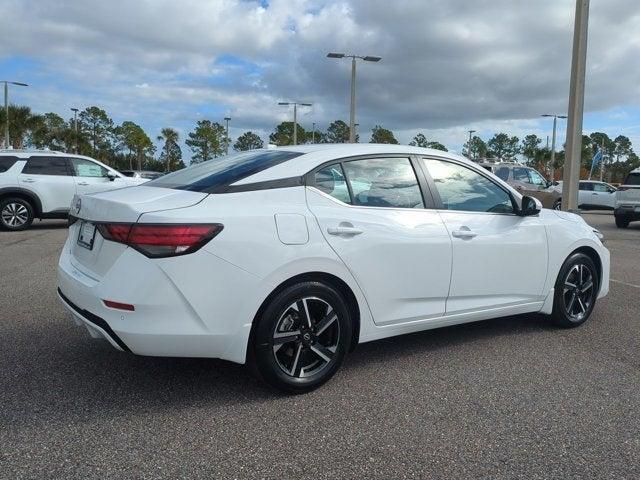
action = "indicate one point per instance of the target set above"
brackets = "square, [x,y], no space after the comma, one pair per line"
[6,108]
[75,126]
[295,117]
[226,141]
[553,144]
[602,159]
[352,112]
[313,133]
[469,153]
[571,176]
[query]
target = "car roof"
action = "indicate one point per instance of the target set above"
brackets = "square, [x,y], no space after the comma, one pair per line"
[314,155]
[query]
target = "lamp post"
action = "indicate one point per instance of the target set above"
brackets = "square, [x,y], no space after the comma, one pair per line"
[6,108]
[553,143]
[313,133]
[352,114]
[469,154]
[295,117]
[75,125]
[226,141]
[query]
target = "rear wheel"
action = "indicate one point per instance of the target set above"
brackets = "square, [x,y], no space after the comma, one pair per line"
[576,290]
[15,214]
[622,222]
[302,337]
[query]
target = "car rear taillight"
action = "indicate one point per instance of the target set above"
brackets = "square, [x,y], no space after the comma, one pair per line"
[165,240]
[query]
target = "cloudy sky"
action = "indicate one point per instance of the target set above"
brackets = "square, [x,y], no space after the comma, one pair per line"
[448,65]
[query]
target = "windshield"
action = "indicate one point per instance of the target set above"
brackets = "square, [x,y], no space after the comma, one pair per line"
[220,172]
[633,179]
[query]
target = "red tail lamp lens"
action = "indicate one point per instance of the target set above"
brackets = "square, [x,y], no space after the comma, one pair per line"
[120,306]
[161,240]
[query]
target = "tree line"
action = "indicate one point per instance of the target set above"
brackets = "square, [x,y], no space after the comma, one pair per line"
[128,146]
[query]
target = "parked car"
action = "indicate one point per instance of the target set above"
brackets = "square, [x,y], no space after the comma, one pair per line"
[42,183]
[596,195]
[146,174]
[627,207]
[528,181]
[288,258]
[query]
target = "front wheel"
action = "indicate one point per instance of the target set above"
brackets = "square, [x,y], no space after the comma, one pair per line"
[557,205]
[622,222]
[302,337]
[576,290]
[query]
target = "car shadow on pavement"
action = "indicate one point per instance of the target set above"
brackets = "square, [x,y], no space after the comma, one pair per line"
[77,375]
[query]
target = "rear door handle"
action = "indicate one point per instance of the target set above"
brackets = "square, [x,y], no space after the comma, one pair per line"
[84,184]
[464,232]
[28,180]
[344,230]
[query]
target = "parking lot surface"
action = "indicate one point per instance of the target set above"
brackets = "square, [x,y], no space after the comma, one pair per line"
[507,398]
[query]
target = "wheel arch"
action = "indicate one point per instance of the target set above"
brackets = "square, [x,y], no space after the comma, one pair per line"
[593,254]
[32,198]
[327,278]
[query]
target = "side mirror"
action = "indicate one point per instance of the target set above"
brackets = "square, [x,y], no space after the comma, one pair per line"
[111,176]
[530,206]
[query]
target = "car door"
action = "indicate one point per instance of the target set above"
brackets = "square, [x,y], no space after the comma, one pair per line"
[585,191]
[499,258]
[49,177]
[91,177]
[603,195]
[372,213]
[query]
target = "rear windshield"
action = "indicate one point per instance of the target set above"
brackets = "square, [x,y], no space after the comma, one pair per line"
[632,179]
[213,175]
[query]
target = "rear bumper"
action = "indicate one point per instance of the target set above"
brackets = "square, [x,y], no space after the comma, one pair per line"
[197,306]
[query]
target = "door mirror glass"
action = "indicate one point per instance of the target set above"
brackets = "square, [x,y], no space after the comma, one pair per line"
[530,206]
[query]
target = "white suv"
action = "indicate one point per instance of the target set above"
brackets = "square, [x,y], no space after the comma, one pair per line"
[42,183]
[628,200]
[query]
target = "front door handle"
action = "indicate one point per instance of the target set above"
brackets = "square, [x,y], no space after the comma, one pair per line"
[464,232]
[84,184]
[28,180]
[344,230]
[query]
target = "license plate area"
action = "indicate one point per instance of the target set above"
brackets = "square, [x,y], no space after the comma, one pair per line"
[86,234]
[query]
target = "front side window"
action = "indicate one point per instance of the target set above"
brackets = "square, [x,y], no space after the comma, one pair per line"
[503,173]
[46,166]
[463,189]
[331,181]
[383,182]
[601,187]
[87,168]
[537,179]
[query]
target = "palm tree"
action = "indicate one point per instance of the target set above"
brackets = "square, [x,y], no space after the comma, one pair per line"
[170,138]
[21,122]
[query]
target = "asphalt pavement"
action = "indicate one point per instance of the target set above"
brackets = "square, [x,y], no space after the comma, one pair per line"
[507,398]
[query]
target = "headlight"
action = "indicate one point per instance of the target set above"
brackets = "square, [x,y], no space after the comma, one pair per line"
[599,234]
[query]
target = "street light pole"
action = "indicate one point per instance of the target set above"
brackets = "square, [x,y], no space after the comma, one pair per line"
[75,125]
[313,133]
[226,119]
[6,108]
[295,117]
[553,144]
[571,176]
[352,112]
[469,153]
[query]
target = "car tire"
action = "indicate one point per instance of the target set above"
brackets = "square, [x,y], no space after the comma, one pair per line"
[15,214]
[557,205]
[302,337]
[622,222]
[576,291]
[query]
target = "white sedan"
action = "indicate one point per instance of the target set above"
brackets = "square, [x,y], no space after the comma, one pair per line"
[290,257]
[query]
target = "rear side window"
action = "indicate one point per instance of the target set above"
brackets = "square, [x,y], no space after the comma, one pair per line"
[46,166]
[503,173]
[383,182]
[6,163]
[331,181]
[585,186]
[632,179]
[214,175]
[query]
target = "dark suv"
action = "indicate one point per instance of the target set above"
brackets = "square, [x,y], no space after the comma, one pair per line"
[527,181]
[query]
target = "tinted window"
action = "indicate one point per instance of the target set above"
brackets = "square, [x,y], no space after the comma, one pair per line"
[331,181]
[503,173]
[222,172]
[537,179]
[46,166]
[585,186]
[461,188]
[87,168]
[632,179]
[6,163]
[383,182]
[127,173]
[521,175]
